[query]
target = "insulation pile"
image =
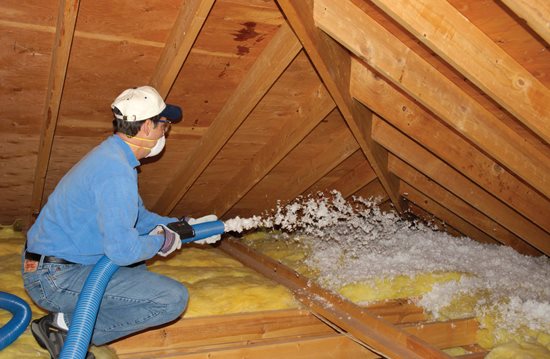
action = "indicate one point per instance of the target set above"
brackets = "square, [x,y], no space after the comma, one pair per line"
[366,255]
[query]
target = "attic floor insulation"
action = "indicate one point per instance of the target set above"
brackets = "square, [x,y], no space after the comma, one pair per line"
[365,255]
[217,285]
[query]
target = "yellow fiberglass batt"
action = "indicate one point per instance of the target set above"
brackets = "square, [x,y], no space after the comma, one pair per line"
[217,285]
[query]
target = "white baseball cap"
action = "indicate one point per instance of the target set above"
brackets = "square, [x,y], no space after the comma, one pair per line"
[141,103]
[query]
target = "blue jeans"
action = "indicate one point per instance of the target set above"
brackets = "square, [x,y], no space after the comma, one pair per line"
[135,298]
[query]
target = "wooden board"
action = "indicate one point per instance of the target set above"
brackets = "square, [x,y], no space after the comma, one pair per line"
[365,327]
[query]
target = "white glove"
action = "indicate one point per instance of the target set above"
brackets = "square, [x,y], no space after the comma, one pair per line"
[172,240]
[209,218]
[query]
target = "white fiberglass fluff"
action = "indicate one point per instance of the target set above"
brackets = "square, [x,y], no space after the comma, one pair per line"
[355,242]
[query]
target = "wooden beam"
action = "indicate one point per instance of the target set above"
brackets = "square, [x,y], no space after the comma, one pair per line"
[413,120]
[460,186]
[191,18]
[414,75]
[477,57]
[466,227]
[333,65]
[328,346]
[448,334]
[397,311]
[66,22]
[375,333]
[535,13]
[271,63]
[318,106]
[188,333]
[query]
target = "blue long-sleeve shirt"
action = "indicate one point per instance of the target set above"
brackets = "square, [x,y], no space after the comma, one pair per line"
[96,210]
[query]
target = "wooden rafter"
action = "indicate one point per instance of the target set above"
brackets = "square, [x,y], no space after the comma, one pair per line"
[442,213]
[413,120]
[66,22]
[318,106]
[416,212]
[431,219]
[414,75]
[185,30]
[267,68]
[332,63]
[535,12]
[460,207]
[477,57]
[452,180]
[374,332]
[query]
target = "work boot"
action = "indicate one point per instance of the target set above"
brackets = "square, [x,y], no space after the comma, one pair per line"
[51,337]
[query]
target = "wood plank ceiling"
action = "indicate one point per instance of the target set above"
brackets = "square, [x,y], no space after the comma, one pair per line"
[437,108]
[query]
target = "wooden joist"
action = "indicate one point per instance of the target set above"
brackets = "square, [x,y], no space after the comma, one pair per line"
[373,332]
[188,333]
[397,311]
[448,334]
[329,346]
[297,333]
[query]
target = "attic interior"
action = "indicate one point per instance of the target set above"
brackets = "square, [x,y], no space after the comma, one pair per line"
[438,109]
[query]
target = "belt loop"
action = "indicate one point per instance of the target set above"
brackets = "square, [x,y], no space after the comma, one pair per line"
[41,262]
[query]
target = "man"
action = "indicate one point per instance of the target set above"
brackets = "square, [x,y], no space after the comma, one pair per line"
[96,211]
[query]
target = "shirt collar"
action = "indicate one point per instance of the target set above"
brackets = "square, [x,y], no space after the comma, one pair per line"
[132,160]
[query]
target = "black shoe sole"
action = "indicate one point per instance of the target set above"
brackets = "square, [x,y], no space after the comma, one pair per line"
[37,333]
[35,330]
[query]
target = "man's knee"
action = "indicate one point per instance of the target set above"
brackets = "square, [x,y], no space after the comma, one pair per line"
[176,299]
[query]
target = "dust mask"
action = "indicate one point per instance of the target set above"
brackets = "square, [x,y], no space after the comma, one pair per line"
[157,148]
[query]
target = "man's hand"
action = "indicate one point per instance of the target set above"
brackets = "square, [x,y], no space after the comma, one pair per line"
[172,240]
[209,218]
